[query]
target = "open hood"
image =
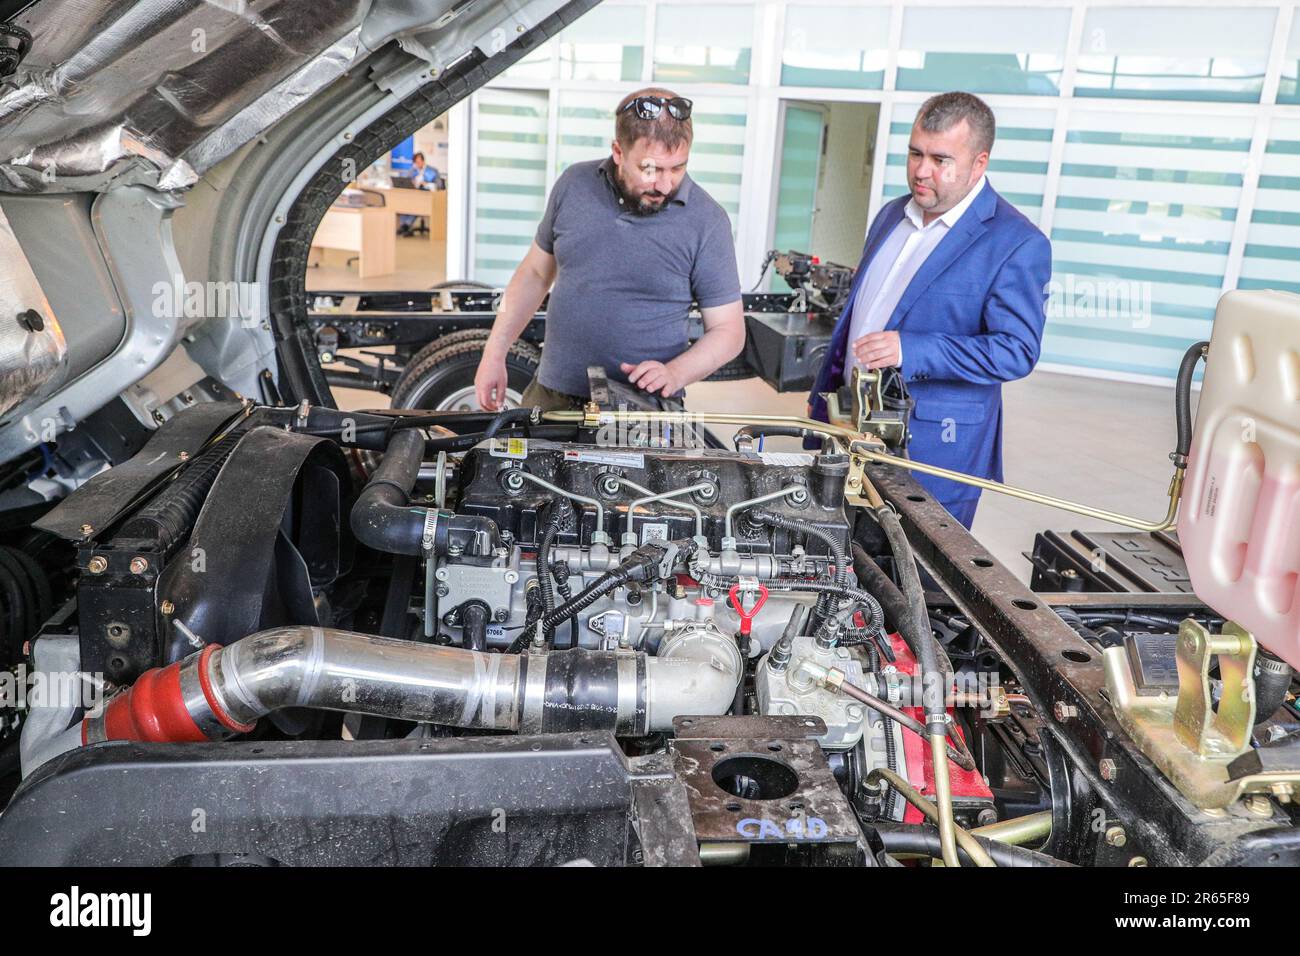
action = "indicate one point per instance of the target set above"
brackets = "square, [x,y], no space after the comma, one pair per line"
[149,145]
[156,92]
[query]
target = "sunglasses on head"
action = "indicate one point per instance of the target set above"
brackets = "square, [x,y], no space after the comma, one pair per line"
[649,107]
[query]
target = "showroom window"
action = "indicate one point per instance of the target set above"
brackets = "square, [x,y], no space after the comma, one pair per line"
[510,178]
[1197,54]
[1143,224]
[586,127]
[983,49]
[835,46]
[800,162]
[1143,192]
[1272,257]
[607,43]
[718,152]
[703,44]
[1289,90]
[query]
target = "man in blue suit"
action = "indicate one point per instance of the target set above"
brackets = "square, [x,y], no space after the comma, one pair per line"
[951,288]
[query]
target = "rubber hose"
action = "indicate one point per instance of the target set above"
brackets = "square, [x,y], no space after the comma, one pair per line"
[475,616]
[1272,681]
[917,632]
[382,518]
[509,416]
[923,840]
[896,608]
[1183,399]
[842,570]
[544,565]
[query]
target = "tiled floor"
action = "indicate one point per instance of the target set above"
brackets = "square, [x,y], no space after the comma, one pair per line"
[1102,443]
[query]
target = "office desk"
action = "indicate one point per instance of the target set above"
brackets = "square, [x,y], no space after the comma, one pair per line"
[368,231]
[430,203]
[371,231]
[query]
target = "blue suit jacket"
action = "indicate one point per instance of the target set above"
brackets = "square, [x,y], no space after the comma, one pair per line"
[971,318]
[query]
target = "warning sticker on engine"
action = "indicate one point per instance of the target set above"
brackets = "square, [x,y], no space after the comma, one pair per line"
[624,459]
[786,458]
[509,448]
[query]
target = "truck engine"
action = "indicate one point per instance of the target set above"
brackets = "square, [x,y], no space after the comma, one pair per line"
[243,627]
[312,578]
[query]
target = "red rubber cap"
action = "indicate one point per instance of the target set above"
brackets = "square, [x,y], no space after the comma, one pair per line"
[153,710]
[746,617]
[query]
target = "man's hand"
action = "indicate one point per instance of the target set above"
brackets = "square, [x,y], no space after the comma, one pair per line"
[490,381]
[878,350]
[653,377]
[723,340]
[519,303]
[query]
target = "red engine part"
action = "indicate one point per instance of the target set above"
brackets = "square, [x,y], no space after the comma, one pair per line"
[968,786]
[746,616]
[152,709]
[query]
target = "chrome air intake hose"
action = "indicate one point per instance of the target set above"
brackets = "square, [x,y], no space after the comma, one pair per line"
[221,691]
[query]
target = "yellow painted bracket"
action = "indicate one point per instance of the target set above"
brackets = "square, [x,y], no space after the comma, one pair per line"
[1183,736]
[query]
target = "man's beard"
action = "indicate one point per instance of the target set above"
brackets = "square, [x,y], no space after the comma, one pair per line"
[637,203]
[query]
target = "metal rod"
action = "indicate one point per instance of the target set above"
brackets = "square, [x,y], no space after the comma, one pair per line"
[1063,504]
[943,796]
[913,796]
[1018,830]
[600,508]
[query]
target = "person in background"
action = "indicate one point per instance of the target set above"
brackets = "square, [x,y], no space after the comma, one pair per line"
[951,289]
[626,244]
[424,176]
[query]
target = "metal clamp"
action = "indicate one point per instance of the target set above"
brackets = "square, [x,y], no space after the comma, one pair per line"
[431,517]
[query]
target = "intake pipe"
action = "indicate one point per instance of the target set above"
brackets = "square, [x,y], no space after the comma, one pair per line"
[384,519]
[222,691]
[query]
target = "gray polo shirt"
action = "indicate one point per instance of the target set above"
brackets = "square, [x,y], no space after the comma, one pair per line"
[624,283]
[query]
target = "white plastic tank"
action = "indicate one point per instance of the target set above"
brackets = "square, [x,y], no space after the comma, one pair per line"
[1239,522]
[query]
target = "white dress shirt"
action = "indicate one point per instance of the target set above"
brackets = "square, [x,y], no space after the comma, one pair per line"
[898,260]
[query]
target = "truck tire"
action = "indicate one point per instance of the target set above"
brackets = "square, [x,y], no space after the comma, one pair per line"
[441,375]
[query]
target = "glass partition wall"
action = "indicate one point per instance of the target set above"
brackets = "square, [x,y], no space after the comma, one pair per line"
[1157,144]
